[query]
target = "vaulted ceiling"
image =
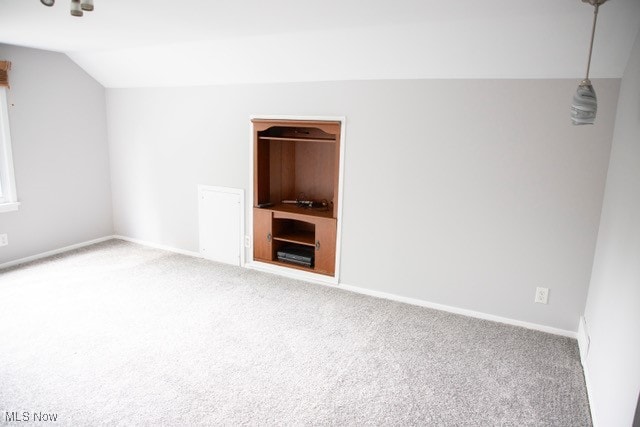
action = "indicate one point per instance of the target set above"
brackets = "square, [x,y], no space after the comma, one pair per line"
[125,43]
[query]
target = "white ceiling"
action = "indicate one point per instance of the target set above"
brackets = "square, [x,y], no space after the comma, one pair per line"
[126,43]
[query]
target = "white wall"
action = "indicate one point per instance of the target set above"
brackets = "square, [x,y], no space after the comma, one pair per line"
[613,306]
[58,128]
[462,192]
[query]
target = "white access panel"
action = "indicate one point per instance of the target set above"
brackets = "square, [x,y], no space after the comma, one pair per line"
[221,223]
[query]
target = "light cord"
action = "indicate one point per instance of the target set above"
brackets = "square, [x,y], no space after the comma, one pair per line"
[593,33]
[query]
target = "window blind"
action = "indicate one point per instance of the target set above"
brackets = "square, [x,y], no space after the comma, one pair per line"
[5,66]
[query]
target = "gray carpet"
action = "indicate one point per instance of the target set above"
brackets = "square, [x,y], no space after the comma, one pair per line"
[122,334]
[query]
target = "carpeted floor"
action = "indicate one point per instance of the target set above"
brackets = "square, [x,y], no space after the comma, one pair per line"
[122,334]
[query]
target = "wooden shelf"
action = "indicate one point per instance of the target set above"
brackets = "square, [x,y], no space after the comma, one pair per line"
[290,265]
[291,208]
[285,138]
[306,238]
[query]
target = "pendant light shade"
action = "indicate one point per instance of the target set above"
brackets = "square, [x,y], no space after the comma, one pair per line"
[76,9]
[585,103]
[48,2]
[87,5]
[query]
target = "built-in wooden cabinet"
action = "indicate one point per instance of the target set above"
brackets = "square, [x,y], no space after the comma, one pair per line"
[296,162]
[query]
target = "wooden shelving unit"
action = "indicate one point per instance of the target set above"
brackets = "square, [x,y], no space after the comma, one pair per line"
[306,238]
[294,160]
[275,138]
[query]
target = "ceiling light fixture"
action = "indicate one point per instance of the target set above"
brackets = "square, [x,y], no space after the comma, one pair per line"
[87,5]
[78,7]
[585,103]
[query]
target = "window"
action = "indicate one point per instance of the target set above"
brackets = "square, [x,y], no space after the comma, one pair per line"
[8,198]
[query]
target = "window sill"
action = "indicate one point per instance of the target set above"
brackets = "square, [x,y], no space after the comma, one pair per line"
[8,207]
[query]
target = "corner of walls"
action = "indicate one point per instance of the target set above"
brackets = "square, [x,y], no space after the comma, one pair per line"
[609,342]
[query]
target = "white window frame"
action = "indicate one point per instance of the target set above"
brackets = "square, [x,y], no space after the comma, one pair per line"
[8,197]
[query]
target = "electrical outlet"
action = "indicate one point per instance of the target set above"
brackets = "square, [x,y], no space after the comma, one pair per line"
[247,241]
[4,240]
[542,295]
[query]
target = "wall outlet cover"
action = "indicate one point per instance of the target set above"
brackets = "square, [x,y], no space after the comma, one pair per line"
[542,295]
[4,240]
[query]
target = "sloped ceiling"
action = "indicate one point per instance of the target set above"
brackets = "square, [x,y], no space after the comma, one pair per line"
[126,43]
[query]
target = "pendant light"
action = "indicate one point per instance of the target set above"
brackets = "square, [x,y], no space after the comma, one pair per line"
[585,103]
[87,5]
[76,8]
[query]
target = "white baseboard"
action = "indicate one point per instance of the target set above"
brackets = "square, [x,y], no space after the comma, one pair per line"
[54,252]
[327,281]
[462,311]
[584,342]
[590,394]
[158,246]
[292,273]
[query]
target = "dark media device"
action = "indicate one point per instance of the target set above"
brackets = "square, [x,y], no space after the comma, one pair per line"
[295,254]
